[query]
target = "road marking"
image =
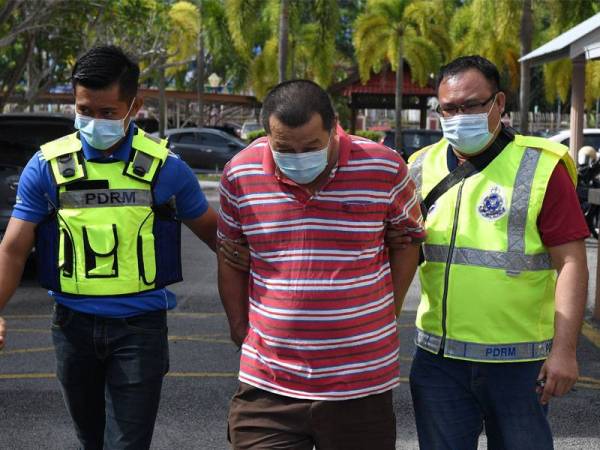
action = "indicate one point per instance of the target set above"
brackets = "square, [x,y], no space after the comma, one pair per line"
[27,316]
[29,330]
[201,339]
[26,376]
[589,380]
[591,334]
[26,350]
[196,315]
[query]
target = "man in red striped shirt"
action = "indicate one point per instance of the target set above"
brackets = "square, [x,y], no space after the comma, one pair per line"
[315,317]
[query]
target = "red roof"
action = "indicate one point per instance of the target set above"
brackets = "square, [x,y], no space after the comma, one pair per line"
[383,83]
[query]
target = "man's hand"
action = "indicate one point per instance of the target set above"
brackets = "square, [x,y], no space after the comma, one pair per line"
[238,333]
[2,332]
[559,373]
[397,239]
[237,254]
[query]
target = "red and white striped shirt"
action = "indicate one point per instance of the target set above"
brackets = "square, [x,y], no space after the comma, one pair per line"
[321,304]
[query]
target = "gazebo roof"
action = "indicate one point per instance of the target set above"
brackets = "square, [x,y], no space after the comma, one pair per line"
[581,39]
[382,83]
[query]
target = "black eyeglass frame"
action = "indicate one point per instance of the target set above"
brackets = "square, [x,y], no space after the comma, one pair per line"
[459,108]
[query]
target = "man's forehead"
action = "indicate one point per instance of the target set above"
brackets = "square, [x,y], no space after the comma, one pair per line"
[470,84]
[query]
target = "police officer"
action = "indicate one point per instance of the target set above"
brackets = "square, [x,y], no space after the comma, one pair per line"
[103,207]
[504,277]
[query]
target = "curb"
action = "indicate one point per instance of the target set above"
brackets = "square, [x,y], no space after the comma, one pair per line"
[208,185]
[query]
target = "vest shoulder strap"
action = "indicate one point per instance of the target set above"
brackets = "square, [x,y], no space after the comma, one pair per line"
[412,158]
[148,156]
[555,148]
[64,157]
[61,146]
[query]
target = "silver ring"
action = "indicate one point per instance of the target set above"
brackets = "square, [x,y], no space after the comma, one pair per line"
[235,254]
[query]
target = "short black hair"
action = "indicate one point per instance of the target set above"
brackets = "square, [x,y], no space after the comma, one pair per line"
[100,67]
[464,63]
[294,102]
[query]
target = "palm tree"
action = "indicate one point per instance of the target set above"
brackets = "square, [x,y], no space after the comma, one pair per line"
[284,16]
[490,29]
[257,34]
[395,30]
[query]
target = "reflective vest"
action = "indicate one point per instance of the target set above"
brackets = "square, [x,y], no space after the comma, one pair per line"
[105,236]
[487,284]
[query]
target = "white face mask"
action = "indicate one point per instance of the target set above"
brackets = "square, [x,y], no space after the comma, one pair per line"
[302,167]
[101,133]
[468,133]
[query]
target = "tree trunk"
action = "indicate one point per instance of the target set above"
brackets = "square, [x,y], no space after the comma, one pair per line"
[526,36]
[201,76]
[399,82]
[283,38]
[162,100]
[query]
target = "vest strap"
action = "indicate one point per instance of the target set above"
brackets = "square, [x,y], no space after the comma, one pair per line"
[63,156]
[149,154]
[512,262]
[518,351]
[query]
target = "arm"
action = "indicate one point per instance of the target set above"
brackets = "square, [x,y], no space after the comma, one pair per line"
[560,369]
[233,289]
[403,264]
[205,227]
[397,239]
[14,250]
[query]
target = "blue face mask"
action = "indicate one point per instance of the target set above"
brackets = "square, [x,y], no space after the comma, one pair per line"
[101,133]
[468,133]
[301,167]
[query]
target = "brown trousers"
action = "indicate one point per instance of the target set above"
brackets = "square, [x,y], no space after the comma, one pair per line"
[261,420]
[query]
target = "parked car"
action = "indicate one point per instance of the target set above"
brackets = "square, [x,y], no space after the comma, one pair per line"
[591,136]
[204,148]
[412,140]
[229,128]
[21,135]
[249,126]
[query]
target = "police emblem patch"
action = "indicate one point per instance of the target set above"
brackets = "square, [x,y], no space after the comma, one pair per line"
[493,205]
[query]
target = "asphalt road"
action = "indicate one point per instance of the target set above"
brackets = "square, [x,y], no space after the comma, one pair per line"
[202,379]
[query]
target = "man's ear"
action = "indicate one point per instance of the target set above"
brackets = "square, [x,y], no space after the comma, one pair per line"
[501,101]
[138,102]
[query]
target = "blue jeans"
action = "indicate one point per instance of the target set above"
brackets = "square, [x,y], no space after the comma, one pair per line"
[455,399]
[111,372]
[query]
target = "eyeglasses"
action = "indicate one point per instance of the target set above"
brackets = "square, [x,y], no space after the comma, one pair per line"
[470,107]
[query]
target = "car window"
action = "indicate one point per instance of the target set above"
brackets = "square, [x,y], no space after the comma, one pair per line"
[213,139]
[593,140]
[588,139]
[29,135]
[188,138]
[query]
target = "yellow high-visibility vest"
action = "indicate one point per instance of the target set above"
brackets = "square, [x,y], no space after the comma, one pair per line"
[107,235]
[487,284]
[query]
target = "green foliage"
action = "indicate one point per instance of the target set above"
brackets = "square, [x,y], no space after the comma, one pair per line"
[416,25]
[374,136]
[253,135]
[557,74]
[254,29]
[471,32]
